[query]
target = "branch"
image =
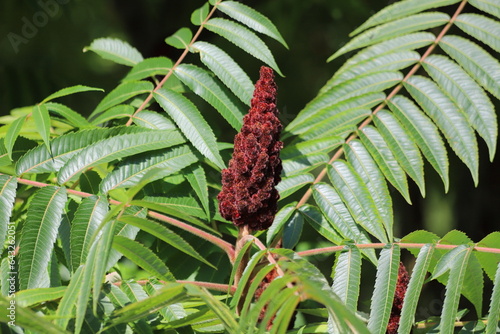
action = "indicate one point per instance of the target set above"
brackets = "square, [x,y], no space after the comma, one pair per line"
[179,60]
[405,245]
[224,245]
[393,93]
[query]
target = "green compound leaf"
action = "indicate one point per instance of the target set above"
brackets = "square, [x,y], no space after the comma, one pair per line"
[122,93]
[467,95]
[393,29]
[451,121]
[480,65]
[424,133]
[154,166]
[29,320]
[69,114]
[164,234]
[70,90]
[119,111]
[192,124]
[89,215]
[153,120]
[226,69]
[199,15]
[279,220]
[347,276]
[32,297]
[385,285]
[115,148]
[289,185]
[401,9]
[180,39]
[8,186]
[40,160]
[208,88]
[12,134]
[317,220]
[143,257]
[494,311]
[42,123]
[115,50]
[489,6]
[198,181]
[489,261]
[251,18]
[412,295]
[149,67]
[382,154]
[402,146]
[391,61]
[374,53]
[357,198]
[362,162]
[38,236]
[243,38]
[335,211]
[481,27]
[457,265]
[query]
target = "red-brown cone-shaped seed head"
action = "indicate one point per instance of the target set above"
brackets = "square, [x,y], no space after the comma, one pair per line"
[399,295]
[248,195]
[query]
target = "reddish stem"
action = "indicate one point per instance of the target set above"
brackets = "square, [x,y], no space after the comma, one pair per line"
[405,245]
[179,60]
[224,245]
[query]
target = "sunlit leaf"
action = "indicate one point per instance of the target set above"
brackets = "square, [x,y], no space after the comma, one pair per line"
[191,122]
[481,27]
[180,39]
[480,65]
[251,18]
[243,38]
[206,86]
[357,198]
[117,147]
[38,236]
[385,285]
[115,50]
[41,117]
[68,91]
[123,92]
[8,185]
[449,119]
[467,95]
[347,276]
[143,257]
[392,29]
[226,69]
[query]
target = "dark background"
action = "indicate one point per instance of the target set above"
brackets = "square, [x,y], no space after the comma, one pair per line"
[52,58]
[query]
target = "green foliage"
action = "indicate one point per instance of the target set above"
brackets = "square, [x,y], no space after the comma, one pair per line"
[112,224]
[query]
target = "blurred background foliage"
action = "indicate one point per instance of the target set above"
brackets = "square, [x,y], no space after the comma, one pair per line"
[51,58]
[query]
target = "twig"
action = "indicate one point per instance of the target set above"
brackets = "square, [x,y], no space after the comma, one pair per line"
[179,60]
[224,245]
[333,249]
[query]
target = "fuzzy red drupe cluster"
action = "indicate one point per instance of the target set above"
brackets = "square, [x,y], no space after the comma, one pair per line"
[399,295]
[249,196]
